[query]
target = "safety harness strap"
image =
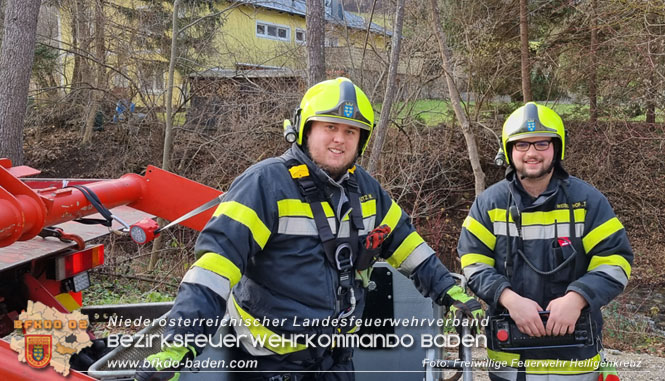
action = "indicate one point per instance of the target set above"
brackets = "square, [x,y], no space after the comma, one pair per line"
[340,253]
[354,199]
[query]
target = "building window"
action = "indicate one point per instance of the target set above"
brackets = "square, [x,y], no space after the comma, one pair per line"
[273,31]
[300,36]
[331,42]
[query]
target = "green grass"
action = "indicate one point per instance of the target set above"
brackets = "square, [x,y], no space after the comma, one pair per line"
[433,112]
[104,290]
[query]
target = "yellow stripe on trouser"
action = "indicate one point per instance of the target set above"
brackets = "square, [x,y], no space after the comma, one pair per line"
[561,366]
[246,216]
[613,260]
[480,231]
[545,366]
[469,259]
[407,246]
[220,265]
[278,344]
[600,233]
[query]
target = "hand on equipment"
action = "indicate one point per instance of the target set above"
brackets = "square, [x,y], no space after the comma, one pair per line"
[460,304]
[376,237]
[164,365]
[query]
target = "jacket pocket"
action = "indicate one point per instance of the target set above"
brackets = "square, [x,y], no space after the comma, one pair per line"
[561,259]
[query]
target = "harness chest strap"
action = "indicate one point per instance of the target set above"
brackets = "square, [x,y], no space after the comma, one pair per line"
[340,252]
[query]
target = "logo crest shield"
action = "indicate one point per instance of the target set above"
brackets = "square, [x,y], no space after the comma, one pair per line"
[38,350]
[348,109]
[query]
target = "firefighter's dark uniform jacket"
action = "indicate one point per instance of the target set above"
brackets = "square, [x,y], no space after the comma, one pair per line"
[260,256]
[599,272]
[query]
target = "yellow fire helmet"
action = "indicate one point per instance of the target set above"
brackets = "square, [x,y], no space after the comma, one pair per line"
[532,120]
[337,101]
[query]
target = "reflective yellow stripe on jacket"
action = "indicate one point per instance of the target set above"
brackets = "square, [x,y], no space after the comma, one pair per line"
[548,366]
[219,265]
[246,216]
[269,341]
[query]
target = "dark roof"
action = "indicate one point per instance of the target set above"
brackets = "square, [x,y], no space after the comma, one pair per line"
[258,72]
[298,7]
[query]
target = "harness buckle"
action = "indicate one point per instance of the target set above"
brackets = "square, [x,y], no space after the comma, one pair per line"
[307,187]
[343,257]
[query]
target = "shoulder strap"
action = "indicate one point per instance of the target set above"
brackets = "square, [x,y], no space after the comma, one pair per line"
[354,199]
[308,188]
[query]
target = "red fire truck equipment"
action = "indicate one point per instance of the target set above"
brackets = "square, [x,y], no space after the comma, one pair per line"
[43,252]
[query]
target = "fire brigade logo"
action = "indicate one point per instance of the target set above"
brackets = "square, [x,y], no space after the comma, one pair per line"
[38,350]
[348,109]
[531,125]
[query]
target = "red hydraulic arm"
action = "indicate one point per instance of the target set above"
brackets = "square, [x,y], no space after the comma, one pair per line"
[25,211]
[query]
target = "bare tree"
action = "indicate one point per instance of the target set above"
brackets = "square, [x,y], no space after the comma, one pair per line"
[389,95]
[168,130]
[96,93]
[524,48]
[593,51]
[455,100]
[315,24]
[16,57]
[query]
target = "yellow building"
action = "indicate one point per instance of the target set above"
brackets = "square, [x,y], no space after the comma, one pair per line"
[249,36]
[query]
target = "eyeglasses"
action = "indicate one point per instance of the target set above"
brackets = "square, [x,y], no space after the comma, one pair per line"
[541,145]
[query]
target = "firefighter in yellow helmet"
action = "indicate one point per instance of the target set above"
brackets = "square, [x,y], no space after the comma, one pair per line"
[547,249]
[294,240]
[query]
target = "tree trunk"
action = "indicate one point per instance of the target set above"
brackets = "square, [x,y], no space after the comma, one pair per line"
[593,86]
[96,94]
[2,16]
[381,129]
[651,112]
[524,48]
[16,57]
[316,32]
[168,130]
[455,100]
[76,20]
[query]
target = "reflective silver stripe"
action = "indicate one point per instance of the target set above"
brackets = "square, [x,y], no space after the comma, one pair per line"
[591,376]
[301,226]
[474,268]
[500,228]
[417,256]
[505,373]
[510,374]
[243,333]
[368,225]
[217,283]
[539,231]
[615,272]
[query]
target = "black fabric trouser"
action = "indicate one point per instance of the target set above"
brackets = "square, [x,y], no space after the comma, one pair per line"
[335,365]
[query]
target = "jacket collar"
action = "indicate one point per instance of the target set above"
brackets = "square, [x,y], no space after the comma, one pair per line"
[295,152]
[334,190]
[524,200]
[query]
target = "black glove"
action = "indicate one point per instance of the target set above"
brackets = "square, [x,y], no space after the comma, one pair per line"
[461,305]
[164,365]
